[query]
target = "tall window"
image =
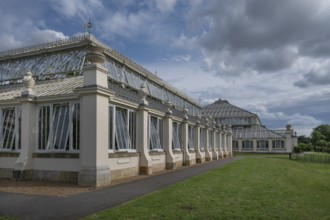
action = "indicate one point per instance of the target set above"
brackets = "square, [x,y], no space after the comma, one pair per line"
[155,133]
[10,128]
[59,127]
[176,134]
[262,144]
[217,140]
[191,138]
[202,139]
[122,129]
[247,144]
[235,145]
[211,141]
[278,144]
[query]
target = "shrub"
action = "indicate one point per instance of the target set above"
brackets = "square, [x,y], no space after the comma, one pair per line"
[297,149]
[306,146]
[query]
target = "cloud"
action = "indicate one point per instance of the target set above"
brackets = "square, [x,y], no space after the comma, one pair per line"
[317,75]
[165,5]
[126,24]
[260,36]
[82,9]
[23,25]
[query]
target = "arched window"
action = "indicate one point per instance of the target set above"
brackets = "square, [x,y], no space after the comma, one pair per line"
[262,144]
[235,144]
[278,144]
[247,144]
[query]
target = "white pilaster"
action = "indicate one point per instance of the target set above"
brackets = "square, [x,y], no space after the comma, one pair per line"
[168,138]
[215,153]
[186,155]
[23,165]
[200,157]
[94,104]
[142,140]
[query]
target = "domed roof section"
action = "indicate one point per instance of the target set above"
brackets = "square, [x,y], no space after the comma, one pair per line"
[227,113]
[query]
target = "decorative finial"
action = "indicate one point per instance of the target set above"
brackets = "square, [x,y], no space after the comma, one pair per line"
[185,111]
[143,92]
[169,106]
[88,26]
[28,83]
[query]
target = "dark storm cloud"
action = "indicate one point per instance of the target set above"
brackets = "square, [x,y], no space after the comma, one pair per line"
[258,33]
[314,77]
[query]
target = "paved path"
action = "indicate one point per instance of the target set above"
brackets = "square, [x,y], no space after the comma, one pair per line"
[77,206]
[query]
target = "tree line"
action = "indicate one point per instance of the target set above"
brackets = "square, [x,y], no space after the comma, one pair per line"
[319,140]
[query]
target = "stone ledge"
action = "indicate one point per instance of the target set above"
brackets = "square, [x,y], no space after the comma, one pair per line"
[177,152]
[123,154]
[156,152]
[56,155]
[9,154]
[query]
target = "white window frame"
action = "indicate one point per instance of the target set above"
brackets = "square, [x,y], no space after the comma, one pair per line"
[262,144]
[49,147]
[276,143]
[211,140]
[191,137]
[159,131]
[250,144]
[176,136]
[202,139]
[235,144]
[131,141]
[17,129]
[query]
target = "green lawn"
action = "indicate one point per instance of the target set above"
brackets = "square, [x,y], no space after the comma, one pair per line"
[251,188]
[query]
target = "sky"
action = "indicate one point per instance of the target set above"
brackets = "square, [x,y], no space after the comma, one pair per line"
[268,57]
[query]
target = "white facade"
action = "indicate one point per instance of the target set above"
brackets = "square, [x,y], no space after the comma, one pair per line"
[88,115]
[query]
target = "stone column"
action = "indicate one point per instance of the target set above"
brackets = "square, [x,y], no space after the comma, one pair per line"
[225,141]
[168,138]
[254,145]
[221,153]
[289,141]
[230,140]
[199,156]
[208,153]
[94,104]
[186,155]
[142,139]
[239,145]
[23,165]
[270,144]
[215,153]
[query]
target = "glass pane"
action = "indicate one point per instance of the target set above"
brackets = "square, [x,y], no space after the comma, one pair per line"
[175,134]
[8,129]
[43,127]
[76,127]
[111,127]
[202,139]
[155,141]
[122,136]
[60,128]
[190,137]
[132,128]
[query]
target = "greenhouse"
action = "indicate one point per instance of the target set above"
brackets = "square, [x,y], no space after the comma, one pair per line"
[249,135]
[76,110]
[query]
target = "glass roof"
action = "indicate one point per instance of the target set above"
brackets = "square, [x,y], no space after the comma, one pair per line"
[227,113]
[66,57]
[255,131]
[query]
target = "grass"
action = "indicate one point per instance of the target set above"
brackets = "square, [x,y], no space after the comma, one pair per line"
[251,188]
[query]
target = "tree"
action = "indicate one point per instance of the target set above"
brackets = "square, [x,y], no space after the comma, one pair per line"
[320,138]
[304,140]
